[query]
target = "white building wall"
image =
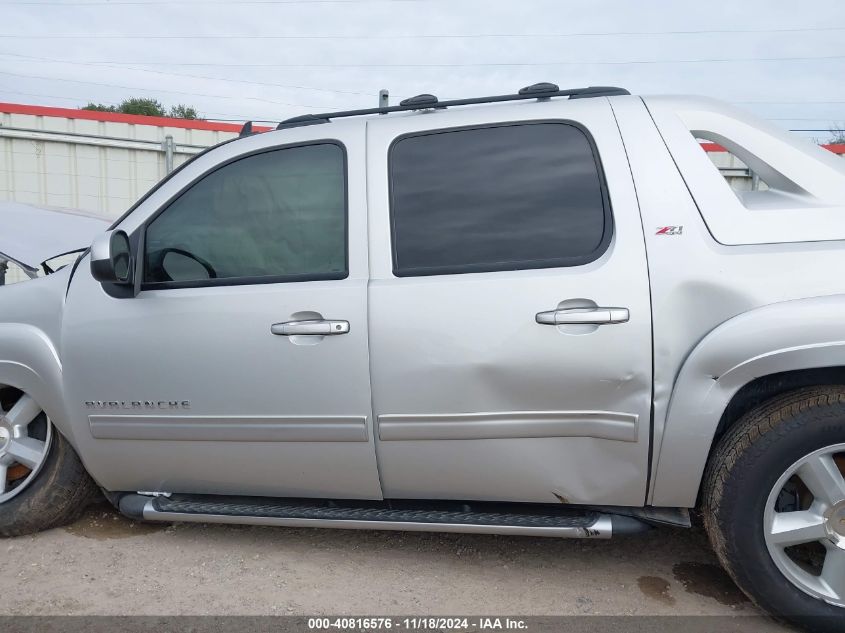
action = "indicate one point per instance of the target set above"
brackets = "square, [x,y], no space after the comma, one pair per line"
[99,166]
[102,166]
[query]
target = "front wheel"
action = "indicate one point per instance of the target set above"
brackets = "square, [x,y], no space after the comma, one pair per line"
[774,506]
[43,484]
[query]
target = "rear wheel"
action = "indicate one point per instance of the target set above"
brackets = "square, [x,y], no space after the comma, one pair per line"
[774,505]
[42,481]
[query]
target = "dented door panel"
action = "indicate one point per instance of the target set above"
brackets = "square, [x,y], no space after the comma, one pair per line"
[473,398]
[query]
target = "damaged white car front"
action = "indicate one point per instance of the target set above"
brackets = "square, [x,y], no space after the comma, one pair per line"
[41,239]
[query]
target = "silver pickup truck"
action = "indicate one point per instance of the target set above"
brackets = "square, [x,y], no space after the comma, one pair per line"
[544,313]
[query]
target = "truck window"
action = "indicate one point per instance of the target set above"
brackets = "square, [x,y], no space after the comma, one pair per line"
[504,197]
[275,216]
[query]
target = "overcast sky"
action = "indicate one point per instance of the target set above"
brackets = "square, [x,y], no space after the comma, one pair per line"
[782,59]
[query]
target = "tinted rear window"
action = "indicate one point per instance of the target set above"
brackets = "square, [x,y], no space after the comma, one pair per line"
[496,198]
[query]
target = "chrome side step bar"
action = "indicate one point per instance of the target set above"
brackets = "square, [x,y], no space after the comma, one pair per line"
[504,519]
[601,528]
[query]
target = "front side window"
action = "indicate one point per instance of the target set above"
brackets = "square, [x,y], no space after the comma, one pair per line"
[274,216]
[507,197]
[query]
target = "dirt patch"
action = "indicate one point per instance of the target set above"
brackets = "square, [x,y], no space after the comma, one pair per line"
[656,588]
[101,522]
[706,579]
[107,564]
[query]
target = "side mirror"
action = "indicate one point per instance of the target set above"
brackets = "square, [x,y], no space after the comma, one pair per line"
[111,259]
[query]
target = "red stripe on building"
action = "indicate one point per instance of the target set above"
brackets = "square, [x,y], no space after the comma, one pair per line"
[117,117]
[836,148]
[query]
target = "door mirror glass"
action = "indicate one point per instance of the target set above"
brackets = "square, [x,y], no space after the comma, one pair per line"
[111,258]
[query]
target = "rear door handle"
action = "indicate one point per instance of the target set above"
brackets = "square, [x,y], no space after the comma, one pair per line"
[310,327]
[588,316]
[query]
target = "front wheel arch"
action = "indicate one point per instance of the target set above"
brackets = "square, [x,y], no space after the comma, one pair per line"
[57,488]
[30,362]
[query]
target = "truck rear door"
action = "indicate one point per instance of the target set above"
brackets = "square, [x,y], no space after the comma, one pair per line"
[510,322]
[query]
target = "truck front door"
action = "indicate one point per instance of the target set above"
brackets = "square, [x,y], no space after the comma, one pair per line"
[222,375]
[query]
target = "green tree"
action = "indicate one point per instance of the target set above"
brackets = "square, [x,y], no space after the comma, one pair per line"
[99,107]
[143,106]
[147,107]
[183,111]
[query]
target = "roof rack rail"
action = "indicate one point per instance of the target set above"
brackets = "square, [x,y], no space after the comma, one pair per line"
[541,92]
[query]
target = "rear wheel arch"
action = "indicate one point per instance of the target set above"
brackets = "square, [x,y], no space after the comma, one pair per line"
[764,388]
[756,354]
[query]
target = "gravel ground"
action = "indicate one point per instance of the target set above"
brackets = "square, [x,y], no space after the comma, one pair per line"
[105,564]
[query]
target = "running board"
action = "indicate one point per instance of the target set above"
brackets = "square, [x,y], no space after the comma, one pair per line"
[434,516]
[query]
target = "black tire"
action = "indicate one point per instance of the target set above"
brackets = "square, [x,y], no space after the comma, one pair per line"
[742,471]
[56,496]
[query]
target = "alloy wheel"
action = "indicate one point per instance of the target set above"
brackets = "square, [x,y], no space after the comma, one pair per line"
[25,434]
[804,524]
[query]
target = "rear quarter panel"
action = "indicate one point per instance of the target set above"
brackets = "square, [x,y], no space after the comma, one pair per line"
[697,284]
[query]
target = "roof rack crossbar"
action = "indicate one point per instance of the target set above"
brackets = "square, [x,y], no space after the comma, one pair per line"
[575,93]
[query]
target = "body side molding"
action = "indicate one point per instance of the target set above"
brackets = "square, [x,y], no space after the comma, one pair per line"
[607,425]
[229,428]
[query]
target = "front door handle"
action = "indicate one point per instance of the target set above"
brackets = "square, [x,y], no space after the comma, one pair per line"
[587,316]
[310,327]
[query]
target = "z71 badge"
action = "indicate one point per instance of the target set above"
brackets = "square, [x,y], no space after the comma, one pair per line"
[669,230]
